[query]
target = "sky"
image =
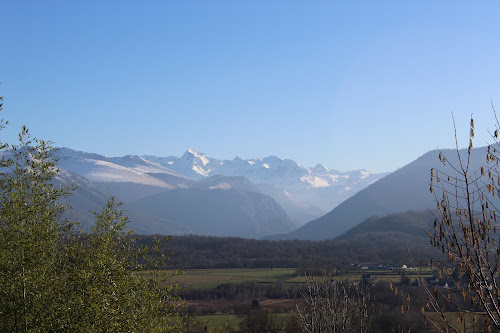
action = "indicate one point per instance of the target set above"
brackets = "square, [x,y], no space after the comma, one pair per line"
[349,84]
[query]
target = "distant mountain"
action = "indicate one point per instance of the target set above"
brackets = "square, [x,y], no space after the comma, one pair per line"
[128,178]
[405,189]
[298,210]
[228,205]
[88,198]
[317,187]
[301,191]
[218,211]
[85,199]
[225,183]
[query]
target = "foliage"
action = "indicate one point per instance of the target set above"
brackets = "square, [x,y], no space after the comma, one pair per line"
[202,252]
[261,321]
[53,278]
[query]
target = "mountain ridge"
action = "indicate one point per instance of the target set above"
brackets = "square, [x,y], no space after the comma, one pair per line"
[405,189]
[305,193]
[317,186]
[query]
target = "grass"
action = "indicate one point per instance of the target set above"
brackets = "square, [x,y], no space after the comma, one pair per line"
[232,321]
[459,326]
[376,276]
[211,278]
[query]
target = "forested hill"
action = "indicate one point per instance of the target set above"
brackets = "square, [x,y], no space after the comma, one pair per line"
[383,240]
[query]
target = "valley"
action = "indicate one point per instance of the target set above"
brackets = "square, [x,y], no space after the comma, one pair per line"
[249,167]
[266,198]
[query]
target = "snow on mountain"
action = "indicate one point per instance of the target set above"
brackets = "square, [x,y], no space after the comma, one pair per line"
[100,169]
[320,168]
[143,165]
[71,153]
[304,192]
[273,170]
[192,164]
[309,184]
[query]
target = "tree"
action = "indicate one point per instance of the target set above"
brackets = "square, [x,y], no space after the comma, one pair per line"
[261,321]
[54,278]
[111,290]
[467,232]
[335,306]
[31,228]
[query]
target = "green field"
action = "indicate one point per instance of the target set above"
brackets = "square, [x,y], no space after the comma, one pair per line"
[221,312]
[231,321]
[211,278]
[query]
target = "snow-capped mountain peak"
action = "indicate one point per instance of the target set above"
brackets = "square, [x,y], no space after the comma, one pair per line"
[192,164]
[273,170]
[320,168]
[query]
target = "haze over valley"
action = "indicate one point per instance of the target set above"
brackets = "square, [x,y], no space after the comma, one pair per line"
[197,194]
[268,197]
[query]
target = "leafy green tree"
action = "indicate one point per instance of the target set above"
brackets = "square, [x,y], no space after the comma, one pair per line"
[32,226]
[54,278]
[112,291]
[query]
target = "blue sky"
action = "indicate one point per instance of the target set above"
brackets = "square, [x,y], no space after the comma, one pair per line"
[350,84]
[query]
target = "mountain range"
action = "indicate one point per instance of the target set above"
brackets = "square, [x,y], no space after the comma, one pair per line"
[315,186]
[268,197]
[198,194]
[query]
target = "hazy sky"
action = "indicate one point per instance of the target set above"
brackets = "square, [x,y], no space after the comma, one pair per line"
[350,84]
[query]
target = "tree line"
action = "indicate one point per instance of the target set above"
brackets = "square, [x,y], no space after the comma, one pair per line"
[201,252]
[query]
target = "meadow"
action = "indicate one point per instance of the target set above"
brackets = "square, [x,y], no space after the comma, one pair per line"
[211,278]
[223,296]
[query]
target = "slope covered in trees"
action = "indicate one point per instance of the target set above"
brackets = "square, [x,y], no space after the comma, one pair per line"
[376,240]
